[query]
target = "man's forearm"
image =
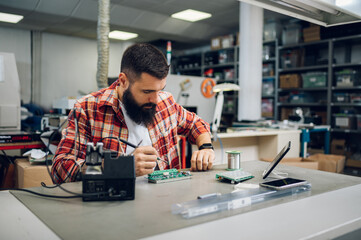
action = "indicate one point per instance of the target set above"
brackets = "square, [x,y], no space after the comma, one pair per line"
[203,138]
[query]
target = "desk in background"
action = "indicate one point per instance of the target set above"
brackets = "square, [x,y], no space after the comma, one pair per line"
[332,209]
[256,144]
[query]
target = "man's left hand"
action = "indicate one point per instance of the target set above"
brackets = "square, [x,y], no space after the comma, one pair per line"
[202,160]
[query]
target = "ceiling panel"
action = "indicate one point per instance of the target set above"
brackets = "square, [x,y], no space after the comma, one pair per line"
[40,21]
[20,4]
[149,20]
[86,10]
[71,25]
[173,26]
[124,16]
[53,7]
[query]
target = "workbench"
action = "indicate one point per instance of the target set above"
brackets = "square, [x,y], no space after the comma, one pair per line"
[331,209]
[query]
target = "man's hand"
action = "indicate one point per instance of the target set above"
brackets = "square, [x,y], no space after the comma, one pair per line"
[145,158]
[202,160]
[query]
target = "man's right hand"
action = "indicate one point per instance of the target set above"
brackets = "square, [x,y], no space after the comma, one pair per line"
[145,158]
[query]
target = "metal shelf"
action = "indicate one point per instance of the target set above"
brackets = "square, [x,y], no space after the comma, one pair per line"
[304,44]
[345,130]
[356,38]
[302,89]
[228,64]
[342,65]
[273,59]
[346,104]
[346,88]
[302,104]
[268,77]
[189,69]
[303,69]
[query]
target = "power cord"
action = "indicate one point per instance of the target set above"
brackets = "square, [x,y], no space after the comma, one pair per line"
[74,194]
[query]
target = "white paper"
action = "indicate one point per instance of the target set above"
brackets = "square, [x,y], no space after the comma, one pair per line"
[35,153]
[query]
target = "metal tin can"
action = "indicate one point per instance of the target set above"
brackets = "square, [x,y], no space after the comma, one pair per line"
[234,159]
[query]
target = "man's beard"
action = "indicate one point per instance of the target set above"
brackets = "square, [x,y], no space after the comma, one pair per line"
[139,114]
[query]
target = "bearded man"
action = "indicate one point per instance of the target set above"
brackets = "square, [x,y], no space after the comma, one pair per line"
[135,109]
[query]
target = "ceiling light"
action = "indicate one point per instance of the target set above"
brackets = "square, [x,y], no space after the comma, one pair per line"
[191,15]
[122,35]
[11,18]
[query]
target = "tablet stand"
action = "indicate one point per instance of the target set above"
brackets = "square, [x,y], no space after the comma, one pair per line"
[276,174]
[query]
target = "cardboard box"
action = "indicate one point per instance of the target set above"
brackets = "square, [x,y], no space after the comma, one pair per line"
[353,163]
[329,162]
[216,43]
[290,81]
[338,146]
[296,162]
[285,113]
[312,33]
[29,175]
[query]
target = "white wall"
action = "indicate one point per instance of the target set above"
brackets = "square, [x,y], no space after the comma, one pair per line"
[18,42]
[205,106]
[69,65]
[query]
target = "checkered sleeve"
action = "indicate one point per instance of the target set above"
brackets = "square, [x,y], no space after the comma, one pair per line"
[70,153]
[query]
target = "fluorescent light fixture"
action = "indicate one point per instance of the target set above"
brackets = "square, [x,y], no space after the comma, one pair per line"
[11,18]
[191,15]
[322,12]
[122,35]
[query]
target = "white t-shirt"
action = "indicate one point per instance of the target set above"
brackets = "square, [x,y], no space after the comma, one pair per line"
[136,132]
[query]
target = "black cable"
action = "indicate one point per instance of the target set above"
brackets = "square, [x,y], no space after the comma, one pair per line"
[47,164]
[7,158]
[75,195]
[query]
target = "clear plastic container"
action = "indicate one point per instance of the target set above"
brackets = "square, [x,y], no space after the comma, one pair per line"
[235,200]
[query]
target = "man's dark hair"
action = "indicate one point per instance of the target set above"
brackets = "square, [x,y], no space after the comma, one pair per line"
[144,58]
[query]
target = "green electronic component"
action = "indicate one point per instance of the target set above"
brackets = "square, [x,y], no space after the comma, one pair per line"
[170,175]
[234,176]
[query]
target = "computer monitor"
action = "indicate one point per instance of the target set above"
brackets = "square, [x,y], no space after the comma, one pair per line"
[9,93]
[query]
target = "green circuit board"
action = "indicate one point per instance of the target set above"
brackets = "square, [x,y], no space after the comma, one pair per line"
[169,175]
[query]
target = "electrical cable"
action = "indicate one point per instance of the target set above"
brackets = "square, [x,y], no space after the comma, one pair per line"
[74,195]
[77,137]
[221,145]
[7,158]
[76,151]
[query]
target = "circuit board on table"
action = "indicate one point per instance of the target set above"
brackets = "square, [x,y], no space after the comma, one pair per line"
[235,176]
[169,175]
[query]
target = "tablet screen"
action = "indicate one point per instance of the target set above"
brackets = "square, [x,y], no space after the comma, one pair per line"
[277,159]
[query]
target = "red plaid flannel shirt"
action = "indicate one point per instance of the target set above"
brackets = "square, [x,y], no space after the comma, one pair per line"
[99,116]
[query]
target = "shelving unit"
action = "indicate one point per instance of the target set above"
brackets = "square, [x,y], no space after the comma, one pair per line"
[219,64]
[346,96]
[338,96]
[269,76]
[298,60]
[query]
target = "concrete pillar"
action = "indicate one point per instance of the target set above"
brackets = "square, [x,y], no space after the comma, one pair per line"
[250,62]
